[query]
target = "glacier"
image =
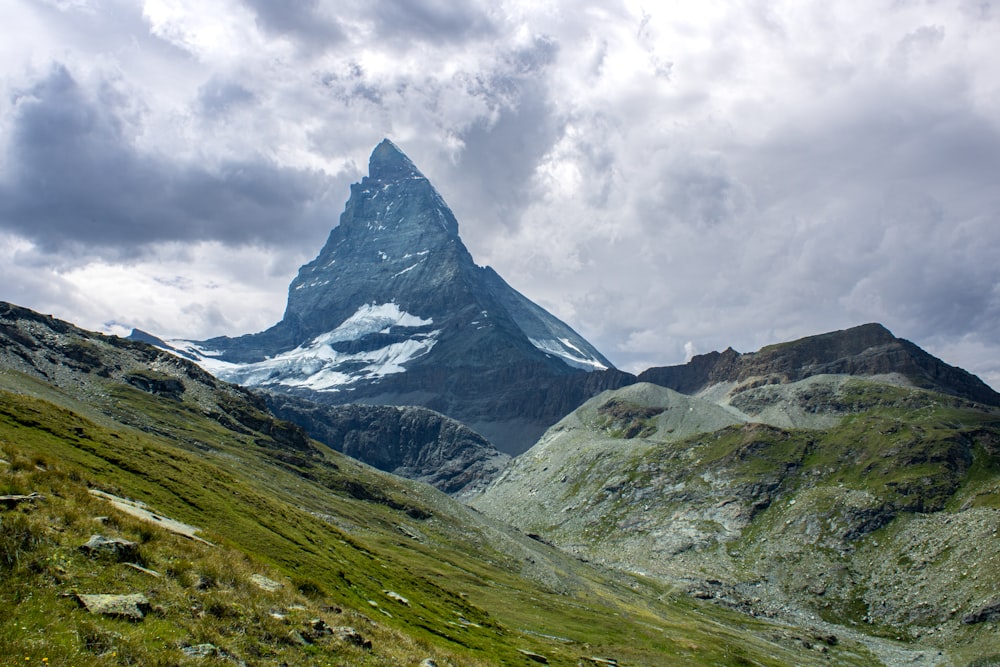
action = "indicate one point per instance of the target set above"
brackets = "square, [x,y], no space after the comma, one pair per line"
[317,365]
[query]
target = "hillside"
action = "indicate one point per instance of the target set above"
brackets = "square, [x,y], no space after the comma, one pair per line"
[304,555]
[864,505]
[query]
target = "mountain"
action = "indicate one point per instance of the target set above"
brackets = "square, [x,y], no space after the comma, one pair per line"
[860,504]
[151,514]
[394,311]
[866,350]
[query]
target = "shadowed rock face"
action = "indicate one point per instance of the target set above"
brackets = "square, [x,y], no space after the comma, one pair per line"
[865,350]
[394,311]
[409,441]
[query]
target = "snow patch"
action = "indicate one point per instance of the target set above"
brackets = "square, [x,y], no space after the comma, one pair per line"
[564,349]
[371,318]
[317,365]
[409,268]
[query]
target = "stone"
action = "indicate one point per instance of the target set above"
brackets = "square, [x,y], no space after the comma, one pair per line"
[144,570]
[531,655]
[296,637]
[318,628]
[111,548]
[133,606]
[985,614]
[263,583]
[428,662]
[349,635]
[141,511]
[396,597]
[200,651]
[11,501]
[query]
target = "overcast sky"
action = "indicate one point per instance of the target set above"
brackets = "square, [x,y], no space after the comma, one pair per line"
[669,178]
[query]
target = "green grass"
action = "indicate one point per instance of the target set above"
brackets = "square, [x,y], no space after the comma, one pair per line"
[325,526]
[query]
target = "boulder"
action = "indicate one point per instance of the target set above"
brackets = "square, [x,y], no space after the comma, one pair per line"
[112,548]
[200,651]
[986,613]
[264,583]
[11,501]
[349,635]
[531,655]
[132,607]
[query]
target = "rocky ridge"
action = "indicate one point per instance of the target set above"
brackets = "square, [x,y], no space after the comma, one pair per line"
[83,363]
[865,350]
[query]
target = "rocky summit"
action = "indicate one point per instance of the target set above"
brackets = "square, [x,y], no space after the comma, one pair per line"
[866,350]
[394,311]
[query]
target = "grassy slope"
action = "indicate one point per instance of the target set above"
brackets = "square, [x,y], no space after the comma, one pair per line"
[336,533]
[886,523]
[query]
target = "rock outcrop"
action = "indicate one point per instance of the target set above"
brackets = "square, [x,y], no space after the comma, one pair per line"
[866,350]
[409,441]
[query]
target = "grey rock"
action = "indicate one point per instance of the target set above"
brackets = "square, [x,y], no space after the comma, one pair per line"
[133,607]
[396,597]
[409,441]
[265,584]
[200,651]
[351,636]
[112,548]
[985,614]
[531,655]
[298,638]
[144,570]
[318,628]
[13,500]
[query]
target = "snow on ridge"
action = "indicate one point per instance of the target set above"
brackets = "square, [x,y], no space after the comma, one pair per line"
[569,353]
[316,364]
[369,319]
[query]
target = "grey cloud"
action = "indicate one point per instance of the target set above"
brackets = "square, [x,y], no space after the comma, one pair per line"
[218,97]
[500,154]
[300,18]
[699,191]
[79,182]
[429,20]
[499,159]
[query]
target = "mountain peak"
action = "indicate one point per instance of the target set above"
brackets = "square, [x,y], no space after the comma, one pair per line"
[394,310]
[387,162]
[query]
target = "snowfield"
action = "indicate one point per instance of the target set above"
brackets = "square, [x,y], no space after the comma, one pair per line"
[317,365]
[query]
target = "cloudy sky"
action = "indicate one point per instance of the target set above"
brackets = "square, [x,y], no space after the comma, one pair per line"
[668,177]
